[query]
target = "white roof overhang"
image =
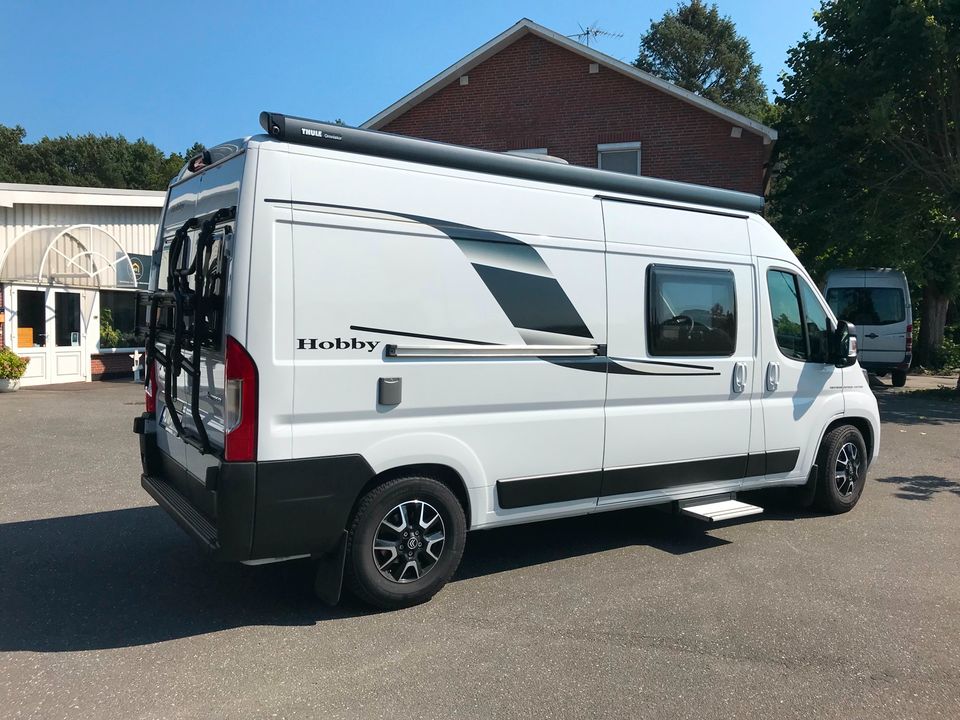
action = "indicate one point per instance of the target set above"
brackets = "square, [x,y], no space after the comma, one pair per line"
[84,256]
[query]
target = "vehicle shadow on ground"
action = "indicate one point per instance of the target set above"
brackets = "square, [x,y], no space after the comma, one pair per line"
[518,546]
[921,487]
[917,408]
[130,577]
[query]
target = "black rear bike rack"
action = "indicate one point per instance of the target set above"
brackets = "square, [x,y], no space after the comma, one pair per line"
[186,303]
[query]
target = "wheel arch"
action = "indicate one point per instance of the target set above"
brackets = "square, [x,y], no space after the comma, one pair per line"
[860,423]
[441,473]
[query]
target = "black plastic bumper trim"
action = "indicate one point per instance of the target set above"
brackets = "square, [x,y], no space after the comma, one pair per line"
[527,492]
[179,508]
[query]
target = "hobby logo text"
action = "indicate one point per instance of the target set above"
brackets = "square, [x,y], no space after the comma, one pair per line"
[337,344]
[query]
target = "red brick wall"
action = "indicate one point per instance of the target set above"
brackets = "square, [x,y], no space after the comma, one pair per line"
[111,366]
[534,93]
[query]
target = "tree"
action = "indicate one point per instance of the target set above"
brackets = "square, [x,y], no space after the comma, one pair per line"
[870,146]
[699,50]
[86,160]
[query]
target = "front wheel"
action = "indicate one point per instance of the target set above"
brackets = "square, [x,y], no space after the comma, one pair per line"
[405,542]
[842,470]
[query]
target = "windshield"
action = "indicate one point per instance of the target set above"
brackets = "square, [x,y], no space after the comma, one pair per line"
[868,306]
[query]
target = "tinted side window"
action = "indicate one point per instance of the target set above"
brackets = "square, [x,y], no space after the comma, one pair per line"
[791,299]
[691,312]
[883,306]
[868,306]
[785,311]
[844,302]
[815,319]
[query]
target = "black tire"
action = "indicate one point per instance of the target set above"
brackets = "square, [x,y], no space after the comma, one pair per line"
[841,470]
[898,378]
[377,513]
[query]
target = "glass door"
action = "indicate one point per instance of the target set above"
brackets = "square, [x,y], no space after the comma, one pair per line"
[28,334]
[66,354]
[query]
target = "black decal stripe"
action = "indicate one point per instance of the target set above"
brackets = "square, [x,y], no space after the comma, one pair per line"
[449,228]
[667,364]
[384,331]
[533,302]
[602,364]
[551,489]
[526,492]
[597,364]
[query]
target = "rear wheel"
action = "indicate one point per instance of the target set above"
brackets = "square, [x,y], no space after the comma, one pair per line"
[898,378]
[842,470]
[405,542]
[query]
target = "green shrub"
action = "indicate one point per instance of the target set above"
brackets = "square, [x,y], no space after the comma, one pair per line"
[12,366]
[110,337]
[947,356]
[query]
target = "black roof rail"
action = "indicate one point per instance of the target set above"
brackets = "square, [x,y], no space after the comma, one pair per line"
[387,145]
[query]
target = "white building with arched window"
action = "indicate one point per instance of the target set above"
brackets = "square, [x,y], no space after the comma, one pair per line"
[71,258]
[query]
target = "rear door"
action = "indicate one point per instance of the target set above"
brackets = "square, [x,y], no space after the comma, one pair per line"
[189,338]
[878,307]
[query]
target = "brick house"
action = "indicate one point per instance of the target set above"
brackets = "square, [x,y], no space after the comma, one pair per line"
[533,89]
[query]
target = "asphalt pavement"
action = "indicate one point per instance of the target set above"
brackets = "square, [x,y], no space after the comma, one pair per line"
[108,610]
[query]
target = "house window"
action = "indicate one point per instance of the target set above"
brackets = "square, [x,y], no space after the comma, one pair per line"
[619,157]
[119,314]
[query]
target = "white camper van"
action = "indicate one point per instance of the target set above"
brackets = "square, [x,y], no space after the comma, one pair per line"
[878,301]
[362,346]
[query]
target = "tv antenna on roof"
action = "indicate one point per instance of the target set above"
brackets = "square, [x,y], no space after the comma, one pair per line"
[592,32]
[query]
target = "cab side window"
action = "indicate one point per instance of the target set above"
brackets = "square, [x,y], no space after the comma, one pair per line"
[691,312]
[816,323]
[800,323]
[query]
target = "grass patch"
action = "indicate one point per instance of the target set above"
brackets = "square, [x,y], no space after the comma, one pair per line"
[946,393]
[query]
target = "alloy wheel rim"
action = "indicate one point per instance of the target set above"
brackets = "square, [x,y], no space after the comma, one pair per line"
[409,541]
[847,470]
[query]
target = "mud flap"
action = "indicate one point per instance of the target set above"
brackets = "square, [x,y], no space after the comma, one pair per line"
[806,492]
[328,581]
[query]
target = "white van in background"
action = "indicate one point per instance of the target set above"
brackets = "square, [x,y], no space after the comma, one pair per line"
[362,346]
[877,301]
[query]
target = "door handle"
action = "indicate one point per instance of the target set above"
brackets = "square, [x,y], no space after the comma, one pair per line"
[773,376]
[739,377]
[872,336]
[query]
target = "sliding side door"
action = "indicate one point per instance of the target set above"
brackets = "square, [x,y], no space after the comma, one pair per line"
[682,348]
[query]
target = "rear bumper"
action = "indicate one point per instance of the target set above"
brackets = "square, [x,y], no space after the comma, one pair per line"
[901,363]
[256,510]
[221,520]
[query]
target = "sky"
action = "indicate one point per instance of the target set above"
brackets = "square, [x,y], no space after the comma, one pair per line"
[178,72]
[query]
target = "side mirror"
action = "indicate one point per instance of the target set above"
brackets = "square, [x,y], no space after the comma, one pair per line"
[844,346]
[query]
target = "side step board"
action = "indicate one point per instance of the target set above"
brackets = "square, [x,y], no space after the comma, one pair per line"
[714,509]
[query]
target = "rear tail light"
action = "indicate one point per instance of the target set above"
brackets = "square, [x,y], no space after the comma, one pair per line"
[239,404]
[910,338]
[150,389]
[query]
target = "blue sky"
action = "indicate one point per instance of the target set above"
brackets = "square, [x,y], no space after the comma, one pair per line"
[175,72]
